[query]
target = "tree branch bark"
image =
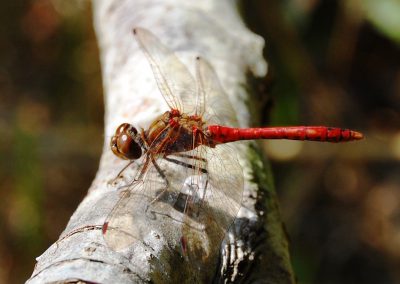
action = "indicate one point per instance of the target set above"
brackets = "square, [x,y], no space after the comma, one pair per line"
[255,249]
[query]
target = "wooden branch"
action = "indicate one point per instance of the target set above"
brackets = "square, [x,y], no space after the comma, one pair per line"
[255,249]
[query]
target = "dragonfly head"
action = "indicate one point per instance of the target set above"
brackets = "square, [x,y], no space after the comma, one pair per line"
[125,142]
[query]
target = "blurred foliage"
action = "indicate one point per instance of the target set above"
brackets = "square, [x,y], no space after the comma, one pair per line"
[335,63]
[331,62]
[51,114]
[384,15]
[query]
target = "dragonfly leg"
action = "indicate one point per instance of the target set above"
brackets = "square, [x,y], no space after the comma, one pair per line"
[181,163]
[164,177]
[139,175]
[119,175]
[190,157]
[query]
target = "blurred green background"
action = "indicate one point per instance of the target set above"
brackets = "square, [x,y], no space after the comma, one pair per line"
[51,116]
[330,62]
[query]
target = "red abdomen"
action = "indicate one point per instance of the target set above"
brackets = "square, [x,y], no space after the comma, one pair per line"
[223,134]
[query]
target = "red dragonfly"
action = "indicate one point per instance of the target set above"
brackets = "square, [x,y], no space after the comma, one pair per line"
[205,191]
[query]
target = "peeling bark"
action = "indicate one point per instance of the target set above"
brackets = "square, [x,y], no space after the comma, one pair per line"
[256,248]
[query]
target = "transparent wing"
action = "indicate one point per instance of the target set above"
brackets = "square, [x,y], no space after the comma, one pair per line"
[201,90]
[226,185]
[202,191]
[139,209]
[119,228]
[174,80]
[212,195]
[219,109]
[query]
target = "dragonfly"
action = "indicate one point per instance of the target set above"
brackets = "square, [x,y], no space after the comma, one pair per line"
[187,170]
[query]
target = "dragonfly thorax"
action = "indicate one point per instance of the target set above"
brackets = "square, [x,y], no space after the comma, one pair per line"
[125,143]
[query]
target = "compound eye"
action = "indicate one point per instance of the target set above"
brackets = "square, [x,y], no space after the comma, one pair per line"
[123,144]
[133,130]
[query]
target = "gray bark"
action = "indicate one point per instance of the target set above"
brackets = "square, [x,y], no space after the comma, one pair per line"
[255,249]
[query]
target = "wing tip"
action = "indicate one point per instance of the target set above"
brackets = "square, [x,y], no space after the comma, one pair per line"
[104,228]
